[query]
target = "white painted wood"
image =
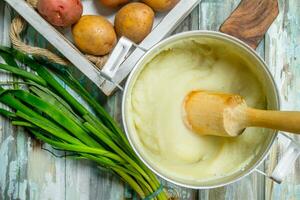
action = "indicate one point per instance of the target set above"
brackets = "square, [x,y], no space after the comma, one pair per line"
[75,56]
[283,57]
[212,15]
[163,29]
[57,40]
[27,172]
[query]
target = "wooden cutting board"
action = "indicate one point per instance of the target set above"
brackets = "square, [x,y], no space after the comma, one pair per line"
[250,20]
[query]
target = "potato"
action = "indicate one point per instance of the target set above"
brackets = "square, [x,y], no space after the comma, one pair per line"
[61,13]
[94,35]
[161,5]
[113,3]
[134,21]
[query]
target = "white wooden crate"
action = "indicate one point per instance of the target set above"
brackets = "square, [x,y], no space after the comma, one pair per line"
[164,24]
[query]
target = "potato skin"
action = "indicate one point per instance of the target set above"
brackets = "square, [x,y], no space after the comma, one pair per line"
[113,3]
[94,35]
[60,13]
[134,21]
[161,5]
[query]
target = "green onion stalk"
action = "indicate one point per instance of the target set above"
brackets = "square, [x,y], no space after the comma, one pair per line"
[51,114]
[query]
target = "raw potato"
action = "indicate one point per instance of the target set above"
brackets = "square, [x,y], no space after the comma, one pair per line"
[113,3]
[61,13]
[94,35]
[134,21]
[161,5]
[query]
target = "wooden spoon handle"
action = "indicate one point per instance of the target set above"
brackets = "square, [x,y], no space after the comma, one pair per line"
[279,120]
[250,20]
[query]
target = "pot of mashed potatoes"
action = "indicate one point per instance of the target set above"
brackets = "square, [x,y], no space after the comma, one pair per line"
[152,108]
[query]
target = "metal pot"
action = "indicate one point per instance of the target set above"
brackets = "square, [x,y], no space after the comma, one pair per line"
[259,67]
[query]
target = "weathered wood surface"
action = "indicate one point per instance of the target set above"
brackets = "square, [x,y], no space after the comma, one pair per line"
[27,172]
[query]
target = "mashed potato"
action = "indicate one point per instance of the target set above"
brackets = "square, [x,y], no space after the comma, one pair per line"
[155,110]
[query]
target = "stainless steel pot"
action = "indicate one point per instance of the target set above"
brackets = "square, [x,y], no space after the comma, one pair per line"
[259,67]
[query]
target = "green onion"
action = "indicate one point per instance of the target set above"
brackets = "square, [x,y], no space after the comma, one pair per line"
[51,114]
[23,74]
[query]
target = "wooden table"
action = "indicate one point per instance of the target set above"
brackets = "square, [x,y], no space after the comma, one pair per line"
[28,172]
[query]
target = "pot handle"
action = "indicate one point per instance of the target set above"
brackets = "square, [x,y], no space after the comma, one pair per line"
[287,161]
[285,164]
[250,20]
[119,54]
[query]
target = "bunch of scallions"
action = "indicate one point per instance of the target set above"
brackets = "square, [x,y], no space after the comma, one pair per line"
[51,114]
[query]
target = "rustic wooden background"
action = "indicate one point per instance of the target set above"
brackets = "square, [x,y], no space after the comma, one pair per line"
[27,172]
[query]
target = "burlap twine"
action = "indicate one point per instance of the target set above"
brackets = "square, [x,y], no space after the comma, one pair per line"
[18,24]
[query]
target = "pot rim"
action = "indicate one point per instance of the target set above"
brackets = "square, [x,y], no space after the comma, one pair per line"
[217,34]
